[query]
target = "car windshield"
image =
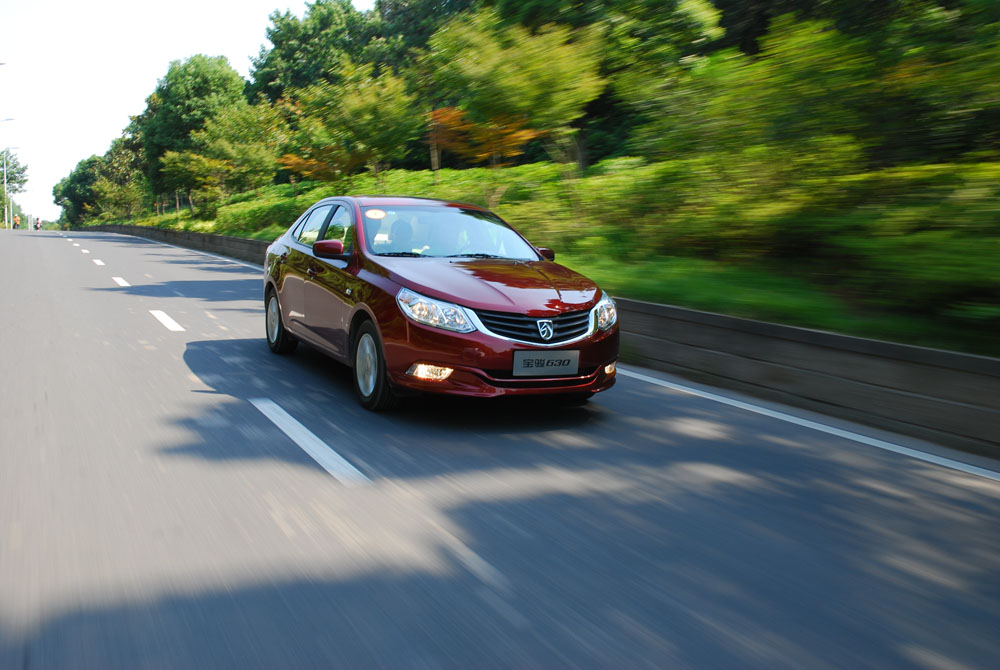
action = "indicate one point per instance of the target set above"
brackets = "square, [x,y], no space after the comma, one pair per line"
[451,232]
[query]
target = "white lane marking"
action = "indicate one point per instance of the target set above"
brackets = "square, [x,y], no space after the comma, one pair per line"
[98,261]
[823,428]
[319,450]
[120,281]
[84,251]
[165,319]
[76,244]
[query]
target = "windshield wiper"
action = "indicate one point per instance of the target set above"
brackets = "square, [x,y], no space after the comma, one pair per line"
[474,256]
[410,254]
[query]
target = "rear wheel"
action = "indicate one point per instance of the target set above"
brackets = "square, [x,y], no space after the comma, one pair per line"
[370,379]
[279,340]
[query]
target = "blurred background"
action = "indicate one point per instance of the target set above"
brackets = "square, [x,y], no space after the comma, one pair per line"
[826,163]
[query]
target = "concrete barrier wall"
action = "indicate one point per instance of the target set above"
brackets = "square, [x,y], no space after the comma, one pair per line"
[251,251]
[946,397]
[943,396]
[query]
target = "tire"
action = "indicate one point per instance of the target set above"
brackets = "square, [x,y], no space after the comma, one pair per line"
[279,340]
[371,382]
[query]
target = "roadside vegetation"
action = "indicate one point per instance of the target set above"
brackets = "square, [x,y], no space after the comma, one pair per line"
[833,165]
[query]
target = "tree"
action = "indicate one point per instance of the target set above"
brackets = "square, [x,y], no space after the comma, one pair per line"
[402,28]
[191,92]
[810,81]
[248,139]
[16,176]
[309,50]
[364,121]
[939,86]
[75,193]
[490,142]
[201,177]
[501,76]
[16,173]
[121,186]
[746,22]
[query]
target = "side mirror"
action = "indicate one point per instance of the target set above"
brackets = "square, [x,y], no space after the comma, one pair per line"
[330,249]
[547,253]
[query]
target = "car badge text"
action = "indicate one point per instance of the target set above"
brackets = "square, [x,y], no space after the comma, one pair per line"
[545,329]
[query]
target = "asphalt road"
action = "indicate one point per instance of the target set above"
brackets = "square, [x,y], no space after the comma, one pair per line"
[152,514]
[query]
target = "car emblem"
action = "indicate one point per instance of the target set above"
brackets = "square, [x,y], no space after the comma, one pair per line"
[545,329]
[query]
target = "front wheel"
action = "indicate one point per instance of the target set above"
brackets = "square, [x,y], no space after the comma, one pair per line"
[370,379]
[279,340]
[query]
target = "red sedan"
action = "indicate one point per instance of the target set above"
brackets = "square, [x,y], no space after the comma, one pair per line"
[431,296]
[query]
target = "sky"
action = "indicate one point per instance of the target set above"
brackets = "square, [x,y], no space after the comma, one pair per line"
[74,72]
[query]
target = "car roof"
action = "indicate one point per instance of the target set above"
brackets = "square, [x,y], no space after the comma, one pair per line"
[399,201]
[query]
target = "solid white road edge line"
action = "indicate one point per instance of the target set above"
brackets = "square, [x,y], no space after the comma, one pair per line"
[165,319]
[823,428]
[120,281]
[319,450]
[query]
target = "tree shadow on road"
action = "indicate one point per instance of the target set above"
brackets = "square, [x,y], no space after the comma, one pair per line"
[686,571]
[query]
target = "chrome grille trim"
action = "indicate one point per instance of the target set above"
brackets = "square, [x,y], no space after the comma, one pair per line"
[569,327]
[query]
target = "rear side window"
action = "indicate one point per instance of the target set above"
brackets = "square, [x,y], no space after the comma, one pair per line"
[309,232]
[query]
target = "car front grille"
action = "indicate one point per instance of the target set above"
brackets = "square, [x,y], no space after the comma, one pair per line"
[523,328]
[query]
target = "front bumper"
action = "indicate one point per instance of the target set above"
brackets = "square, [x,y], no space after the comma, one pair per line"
[483,364]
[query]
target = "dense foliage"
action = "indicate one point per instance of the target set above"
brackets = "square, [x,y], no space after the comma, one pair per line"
[853,144]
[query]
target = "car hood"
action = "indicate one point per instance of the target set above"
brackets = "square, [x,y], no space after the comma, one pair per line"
[536,288]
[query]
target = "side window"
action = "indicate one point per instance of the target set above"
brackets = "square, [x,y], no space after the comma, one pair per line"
[310,230]
[340,228]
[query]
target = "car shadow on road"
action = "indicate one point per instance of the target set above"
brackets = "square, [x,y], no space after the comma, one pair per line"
[319,392]
[630,426]
[210,290]
[210,265]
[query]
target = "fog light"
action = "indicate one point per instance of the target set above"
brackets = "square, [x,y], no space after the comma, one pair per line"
[434,373]
[609,369]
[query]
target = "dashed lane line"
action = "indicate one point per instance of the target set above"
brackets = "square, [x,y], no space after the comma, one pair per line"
[165,319]
[319,450]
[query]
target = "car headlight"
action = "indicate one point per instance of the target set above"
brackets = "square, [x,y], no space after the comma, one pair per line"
[431,312]
[607,313]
